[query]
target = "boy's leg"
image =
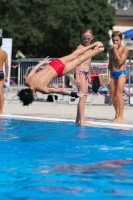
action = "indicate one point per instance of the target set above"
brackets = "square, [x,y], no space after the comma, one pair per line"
[70,66]
[120,87]
[64,91]
[77,121]
[1,96]
[74,55]
[113,86]
[78,52]
[81,109]
[81,105]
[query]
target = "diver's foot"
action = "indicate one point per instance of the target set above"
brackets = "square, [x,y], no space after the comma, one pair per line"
[98,44]
[99,49]
[118,119]
[1,113]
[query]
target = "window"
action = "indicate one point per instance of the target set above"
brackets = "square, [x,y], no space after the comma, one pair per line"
[121,4]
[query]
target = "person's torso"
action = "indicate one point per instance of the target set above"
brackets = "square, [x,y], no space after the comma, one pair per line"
[3,56]
[115,66]
[85,66]
[42,78]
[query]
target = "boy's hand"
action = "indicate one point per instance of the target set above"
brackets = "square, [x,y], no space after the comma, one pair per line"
[77,82]
[115,46]
[109,81]
[45,61]
[98,44]
[6,79]
[82,94]
[89,78]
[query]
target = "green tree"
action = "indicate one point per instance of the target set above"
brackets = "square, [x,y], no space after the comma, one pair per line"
[43,27]
[100,16]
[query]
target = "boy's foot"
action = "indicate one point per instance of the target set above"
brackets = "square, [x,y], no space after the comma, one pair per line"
[116,116]
[118,119]
[85,123]
[77,122]
[98,44]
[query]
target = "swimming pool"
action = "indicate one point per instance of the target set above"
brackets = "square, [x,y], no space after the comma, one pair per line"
[50,160]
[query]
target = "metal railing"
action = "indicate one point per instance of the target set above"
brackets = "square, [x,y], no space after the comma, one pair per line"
[20,68]
[130,78]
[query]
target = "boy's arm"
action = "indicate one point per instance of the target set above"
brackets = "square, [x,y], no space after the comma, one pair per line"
[77,69]
[64,92]
[77,76]
[108,76]
[109,66]
[89,74]
[33,71]
[6,68]
[120,58]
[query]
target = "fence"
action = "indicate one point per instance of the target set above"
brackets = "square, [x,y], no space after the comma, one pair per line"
[19,69]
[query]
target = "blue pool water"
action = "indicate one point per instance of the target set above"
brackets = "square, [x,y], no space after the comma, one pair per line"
[48,160]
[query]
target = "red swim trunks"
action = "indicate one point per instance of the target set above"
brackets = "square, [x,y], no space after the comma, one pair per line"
[58,66]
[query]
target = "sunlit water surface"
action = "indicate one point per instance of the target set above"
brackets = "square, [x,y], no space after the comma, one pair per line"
[48,160]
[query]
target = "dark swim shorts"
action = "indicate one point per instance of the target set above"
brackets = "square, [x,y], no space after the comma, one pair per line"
[1,75]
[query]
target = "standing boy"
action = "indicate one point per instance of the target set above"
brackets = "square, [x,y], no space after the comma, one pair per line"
[117,74]
[83,76]
[3,60]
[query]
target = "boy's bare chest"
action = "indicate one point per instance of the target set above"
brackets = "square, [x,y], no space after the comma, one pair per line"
[119,52]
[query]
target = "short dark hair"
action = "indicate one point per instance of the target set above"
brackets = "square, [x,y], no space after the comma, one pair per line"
[0,41]
[117,33]
[26,96]
[86,30]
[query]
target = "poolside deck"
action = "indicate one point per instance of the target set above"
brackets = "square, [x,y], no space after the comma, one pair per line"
[97,112]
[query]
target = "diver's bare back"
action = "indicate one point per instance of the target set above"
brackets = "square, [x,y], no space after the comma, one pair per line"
[114,63]
[42,78]
[86,64]
[3,56]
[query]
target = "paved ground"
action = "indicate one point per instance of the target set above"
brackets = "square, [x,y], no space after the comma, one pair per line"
[97,112]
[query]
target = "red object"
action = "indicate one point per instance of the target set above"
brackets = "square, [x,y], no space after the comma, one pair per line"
[94,74]
[12,82]
[58,66]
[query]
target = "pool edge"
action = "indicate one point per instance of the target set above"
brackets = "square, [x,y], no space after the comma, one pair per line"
[109,125]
